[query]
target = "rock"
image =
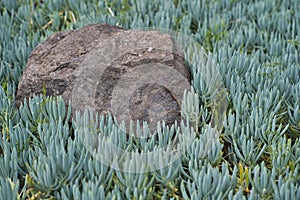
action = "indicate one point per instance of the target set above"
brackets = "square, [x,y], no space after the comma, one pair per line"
[134,74]
[53,63]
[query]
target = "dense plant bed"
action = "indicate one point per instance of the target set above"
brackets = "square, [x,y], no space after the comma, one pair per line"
[257,156]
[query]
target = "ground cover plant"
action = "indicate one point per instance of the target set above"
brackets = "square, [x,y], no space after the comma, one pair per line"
[257,156]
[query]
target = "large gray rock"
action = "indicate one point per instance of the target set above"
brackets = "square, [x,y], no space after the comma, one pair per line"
[133,74]
[53,63]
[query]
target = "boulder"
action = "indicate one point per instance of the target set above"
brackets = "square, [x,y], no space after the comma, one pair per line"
[133,74]
[53,63]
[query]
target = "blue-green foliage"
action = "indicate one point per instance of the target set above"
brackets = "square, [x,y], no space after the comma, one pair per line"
[257,156]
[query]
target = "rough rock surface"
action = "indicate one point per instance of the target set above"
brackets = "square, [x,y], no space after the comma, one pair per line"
[133,74]
[53,63]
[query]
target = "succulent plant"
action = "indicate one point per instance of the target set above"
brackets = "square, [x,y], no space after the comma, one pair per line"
[256,154]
